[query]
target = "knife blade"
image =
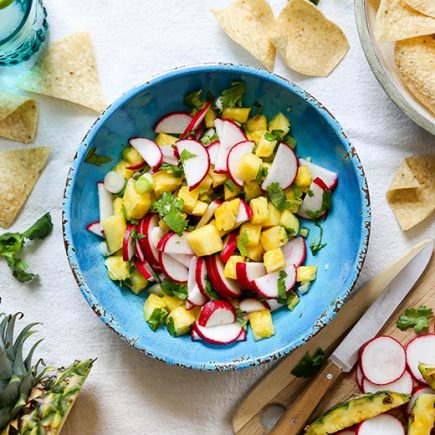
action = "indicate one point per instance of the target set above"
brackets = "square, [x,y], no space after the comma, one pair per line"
[346,354]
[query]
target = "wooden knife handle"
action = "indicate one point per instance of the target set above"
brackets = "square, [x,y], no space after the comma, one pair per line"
[295,418]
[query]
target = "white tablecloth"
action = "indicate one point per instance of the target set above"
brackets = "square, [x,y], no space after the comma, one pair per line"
[128,393]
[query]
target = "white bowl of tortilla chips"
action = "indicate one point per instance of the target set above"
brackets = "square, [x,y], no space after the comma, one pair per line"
[398,38]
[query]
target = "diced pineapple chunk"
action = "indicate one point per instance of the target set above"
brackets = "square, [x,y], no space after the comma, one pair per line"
[306,273]
[210,116]
[121,169]
[252,190]
[138,282]
[165,182]
[259,209]
[171,303]
[295,203]
[274,260]
[163,139]
[200,208]
[257,122]
[280,122]
[180,321]
[153,302]
[273,216]
[190,198]
[248,167]
[205,240]
[255,253]
[230,266]
[218,179]
[221,233]
[262,324]
[256,136]
[290,222]
[136,205]
[132,156]
[225,215]
[163,226]
[273,238]
[253,232]
[238,114]
[265,147]
[117,205]
[114,229]
[117,268]
[231,192]
[205,197]
[205,184]
[303,177]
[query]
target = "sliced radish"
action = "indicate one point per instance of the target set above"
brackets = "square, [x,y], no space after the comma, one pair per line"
[244,214]
[114,182]
[169,155]
[195,168]
[418,391]
[383,360]
[274,304]
[149,228]
[267,285]
[248,272]
[229,134]
[184,259]
[209,213]
[295,251]
[190,306]
[314,202]
[143,270]
[200,275]
[128,243]
[403,385]
[420,350]
[149,151]
[173,123]
[191,277]
[384,424]
[213,152]
[230,245]
[196,120]
[359,377]
[171,268]
[216,313]
[195,337]
[174,244]
[222,334]
[328,177]
[138,251]
[284,168]
[137,166]
[234,156]
[95,227]
[105,202]
[196,298]
[250,305]
[199,131]
[227,288]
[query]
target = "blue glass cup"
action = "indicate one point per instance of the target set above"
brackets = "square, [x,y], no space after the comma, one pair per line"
[23,28]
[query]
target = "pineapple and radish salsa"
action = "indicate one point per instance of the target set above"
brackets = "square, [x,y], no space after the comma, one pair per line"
[208,211]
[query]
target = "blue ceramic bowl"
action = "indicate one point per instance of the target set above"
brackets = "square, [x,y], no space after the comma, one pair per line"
[317,134]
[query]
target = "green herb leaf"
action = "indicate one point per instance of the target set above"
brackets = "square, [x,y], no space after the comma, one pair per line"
[194,99]
[326,205]
[171,327]
[209,290]
[233,97]
[174,289]
[282,295]
[96,159]
[274,135]
[40,229]
[157,318]
[231,185]
[262,173]
[19,269]
[415,317]
[186,155]
[292,300]
[317,246]
[242,243]
[240,318]
[309,365]
[277,197]
[170,208]
[176,171]
[290,141]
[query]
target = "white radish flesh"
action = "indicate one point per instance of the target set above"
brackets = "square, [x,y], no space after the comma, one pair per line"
[169,156]
[313,204]
[149,151]
[173,269]
[403,385]
[328,177]
[114,182]
[213,152]
[251,305]
[105,202]
[209,213]
[235,154]
[173,123]
[216,313]
[195,167]
[295,251]
[267,285]
[383,424]
[420,350]
[229,134]
[96,228]
[222,334]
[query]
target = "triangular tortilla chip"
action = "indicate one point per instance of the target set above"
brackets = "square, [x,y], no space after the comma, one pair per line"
[414,204]
[19,172]
[310,43]
[18,118]
[404,179]
[249,23]
[396,20]
[415,59]
[68,70]
[426,7]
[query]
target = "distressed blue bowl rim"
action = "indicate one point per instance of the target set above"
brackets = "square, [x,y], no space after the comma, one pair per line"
[330,312]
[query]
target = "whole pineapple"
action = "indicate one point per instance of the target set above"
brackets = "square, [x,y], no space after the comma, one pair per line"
[33,401]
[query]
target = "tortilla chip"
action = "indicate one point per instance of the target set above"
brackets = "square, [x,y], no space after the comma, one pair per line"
[250,23]
[415,59]
[396,20]
[310,43]
[19,172]
[18,118]
[411,204]
[426,7]
[68,70]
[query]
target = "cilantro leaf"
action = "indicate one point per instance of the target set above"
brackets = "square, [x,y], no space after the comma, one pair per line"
[415,317]
[277,197]
[282,295]
[240,318]
[157,318]
[309,365]
[171,327]
[274,135]
[315,247]
[262,173]
[170,208]
[209,290]
[326,205]
[96,159]
[233,96]
[174,289]
[242,243]
[40,229]
[176,171]
[19,269]
[186,155]
[194,99]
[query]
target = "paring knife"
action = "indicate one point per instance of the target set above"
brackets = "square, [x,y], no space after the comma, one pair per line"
[346,355]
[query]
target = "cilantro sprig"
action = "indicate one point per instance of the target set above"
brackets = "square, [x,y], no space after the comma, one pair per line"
[170,209]
[96,159]
[417,318]
[309,365]
[277,197]
[174,289]
[316,246]
[176,171]
[186,155]
[195,100]
[209,290]
[242,243]
[11,245]
[233,96]
[282,295]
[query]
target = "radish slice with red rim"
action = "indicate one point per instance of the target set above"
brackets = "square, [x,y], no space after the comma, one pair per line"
[420,350]
[359,377]
[419,390]
[196,120]
[216,313]
[200,275]
[96,228]
[148,150]
[105,202]
[328,177]
[229,134]
[383,360]
[209,213]
[128,243]
[173,123]
[403,385]
[295,251]
[383,424]
[233,159]
[221,334]
[169,155]
[213,152]
[197,164]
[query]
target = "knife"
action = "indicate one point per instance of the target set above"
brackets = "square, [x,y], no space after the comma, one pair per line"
[346,354]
